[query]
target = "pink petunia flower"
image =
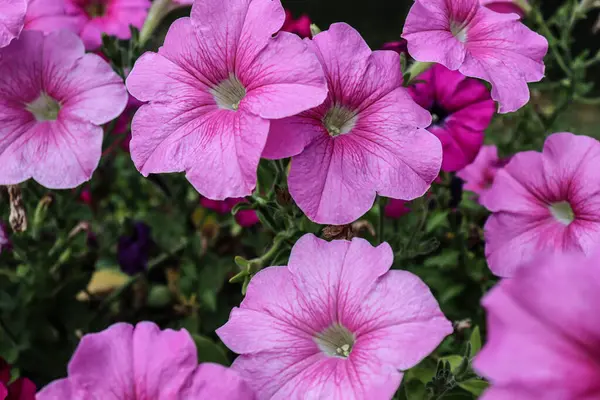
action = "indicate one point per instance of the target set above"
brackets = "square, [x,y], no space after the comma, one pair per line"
[547,202]
[112,17]
[462,109]
[335,324]
[245,218]
[143,362]
[213,89]
[12,15]
[480,174]
[53,15]
[519,7]
[464,36]
[54,98]
[544,331]
[300,26]
[396,208]
[367,137]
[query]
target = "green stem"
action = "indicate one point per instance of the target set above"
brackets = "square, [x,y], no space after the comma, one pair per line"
[8,332]
[416,69]
[539,19]
[159,9]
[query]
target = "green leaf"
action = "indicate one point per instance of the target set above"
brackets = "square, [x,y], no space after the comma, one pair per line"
[447,258]
[437,220]
[414,390]
[475,341]
[454,360]
[474,386]
[209,351]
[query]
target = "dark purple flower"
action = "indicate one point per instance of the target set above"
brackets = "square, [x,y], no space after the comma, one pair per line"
[462,109]
[133,250]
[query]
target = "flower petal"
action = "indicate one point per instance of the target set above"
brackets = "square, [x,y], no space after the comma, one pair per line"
[285,78]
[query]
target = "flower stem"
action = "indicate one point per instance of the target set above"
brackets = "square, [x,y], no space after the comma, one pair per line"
[416,69]
[159,9]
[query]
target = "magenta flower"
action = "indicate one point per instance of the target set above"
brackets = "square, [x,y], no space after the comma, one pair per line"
[5,243]
[478,42]
[214,87]
[335,324]
[462,110]
[143,362]
[367,137]
[399,47]
[544,330]
[112,17]
[396,208]
[519,7]
[54,99]
[547,202]
[19,389]
[12,15]
[300,26]
[53,15]
[479,175]
[245,218]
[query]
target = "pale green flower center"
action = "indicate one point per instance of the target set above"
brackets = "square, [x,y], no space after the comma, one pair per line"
[339,120]
[229,93]
[44,108]
[459,31]
[336,341]
[96,8]
[563,212]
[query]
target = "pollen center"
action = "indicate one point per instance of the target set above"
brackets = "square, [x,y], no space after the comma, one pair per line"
[229,93]
[336,341]
[44,108]
[459,31]
[563,212]
[96,8]
[339,120]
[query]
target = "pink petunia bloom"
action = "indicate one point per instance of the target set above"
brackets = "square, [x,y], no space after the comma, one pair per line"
[335,324]
[53,99]
[213,89]
[184,2]
[480,174]
[245,218]
[300,26]
[464,36]
[548,202]
[112,17]
[53,15]
[367,137]
[519,7]
[544,331]
[396,208]
[462,109]
[143,362]
[12,15]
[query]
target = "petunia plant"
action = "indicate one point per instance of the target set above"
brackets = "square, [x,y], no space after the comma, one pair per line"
[255,199]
